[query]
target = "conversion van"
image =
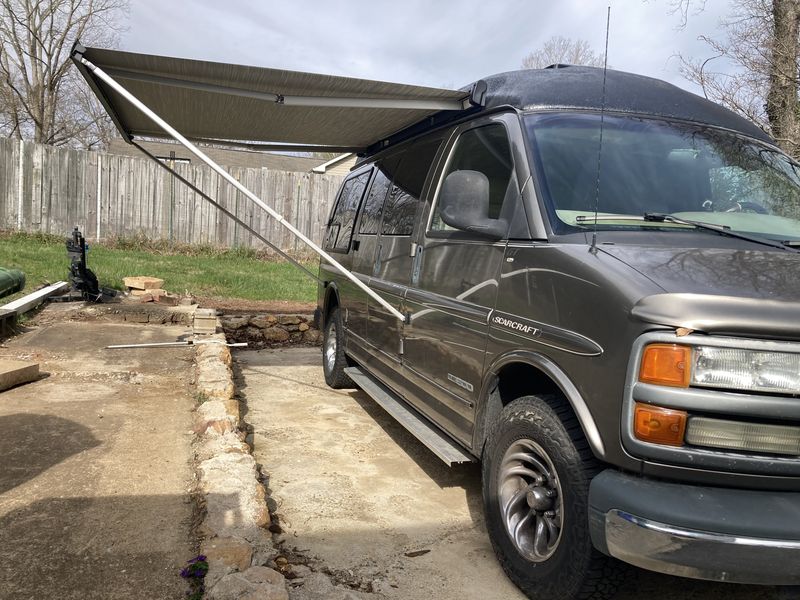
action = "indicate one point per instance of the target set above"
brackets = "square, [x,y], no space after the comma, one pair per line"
[601,289]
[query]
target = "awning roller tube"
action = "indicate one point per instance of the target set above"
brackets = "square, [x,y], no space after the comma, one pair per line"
[230,179]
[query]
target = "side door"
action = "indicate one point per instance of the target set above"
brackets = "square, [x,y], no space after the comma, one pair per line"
[365,245]
[455,277]
[339,242]
[408,170]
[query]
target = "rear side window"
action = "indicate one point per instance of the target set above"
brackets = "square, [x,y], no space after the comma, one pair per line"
[484,149]
[373,204]
[403,200]
[340,228]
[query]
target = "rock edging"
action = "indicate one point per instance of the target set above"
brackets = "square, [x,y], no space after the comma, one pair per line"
[268,331]
[235,540]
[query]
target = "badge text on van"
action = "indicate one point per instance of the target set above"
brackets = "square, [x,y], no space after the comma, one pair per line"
[460,382]
[515,325]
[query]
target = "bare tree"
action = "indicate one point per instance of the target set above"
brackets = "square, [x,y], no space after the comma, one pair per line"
[754,66]
[39,90]
[561,50]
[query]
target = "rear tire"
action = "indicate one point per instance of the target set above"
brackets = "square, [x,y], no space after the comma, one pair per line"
[334,360]
[537,468]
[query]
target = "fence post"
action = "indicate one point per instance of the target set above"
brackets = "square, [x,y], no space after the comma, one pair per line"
[99,186]
[20,183]
[171,193]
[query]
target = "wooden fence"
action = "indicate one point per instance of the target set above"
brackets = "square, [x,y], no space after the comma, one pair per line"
[51,190]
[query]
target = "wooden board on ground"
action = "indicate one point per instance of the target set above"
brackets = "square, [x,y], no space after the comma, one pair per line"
[16,372]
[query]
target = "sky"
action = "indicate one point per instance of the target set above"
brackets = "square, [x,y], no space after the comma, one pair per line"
[438,43]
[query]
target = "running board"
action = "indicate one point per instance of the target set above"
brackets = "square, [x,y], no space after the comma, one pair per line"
[437,442]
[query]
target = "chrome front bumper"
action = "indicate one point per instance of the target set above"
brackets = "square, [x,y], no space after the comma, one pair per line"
[644,523]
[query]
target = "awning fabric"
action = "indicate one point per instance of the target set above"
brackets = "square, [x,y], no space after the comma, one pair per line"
[217,101]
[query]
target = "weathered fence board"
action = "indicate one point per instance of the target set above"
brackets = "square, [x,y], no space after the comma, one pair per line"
[59,190]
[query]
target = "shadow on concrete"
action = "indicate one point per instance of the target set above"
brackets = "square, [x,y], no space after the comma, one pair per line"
[86,548]
[33,443]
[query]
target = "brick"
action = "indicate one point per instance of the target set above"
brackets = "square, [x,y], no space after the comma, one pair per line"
[17,372]
[168,300]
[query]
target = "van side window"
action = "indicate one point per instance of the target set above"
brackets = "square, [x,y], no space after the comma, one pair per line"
[340,228]
[486,150]
[401,204]
[373,204]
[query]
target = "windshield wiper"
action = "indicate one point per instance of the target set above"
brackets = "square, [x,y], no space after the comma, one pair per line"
[721,229]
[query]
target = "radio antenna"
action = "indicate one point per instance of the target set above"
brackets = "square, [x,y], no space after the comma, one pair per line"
[593,247]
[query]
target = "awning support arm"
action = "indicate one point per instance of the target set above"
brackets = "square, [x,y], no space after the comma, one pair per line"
[230,179]
[224,210]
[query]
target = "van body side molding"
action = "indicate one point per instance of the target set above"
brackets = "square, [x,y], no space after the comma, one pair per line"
[547,335]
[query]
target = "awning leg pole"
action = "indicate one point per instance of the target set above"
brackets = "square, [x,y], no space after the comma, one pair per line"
[230,179]
[224,210]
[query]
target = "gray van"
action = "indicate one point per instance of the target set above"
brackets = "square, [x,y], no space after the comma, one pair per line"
[602,301]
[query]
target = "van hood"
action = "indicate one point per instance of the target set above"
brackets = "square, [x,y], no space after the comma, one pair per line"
[719,290]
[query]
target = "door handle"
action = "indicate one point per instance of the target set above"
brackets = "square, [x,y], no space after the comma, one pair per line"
[417,265]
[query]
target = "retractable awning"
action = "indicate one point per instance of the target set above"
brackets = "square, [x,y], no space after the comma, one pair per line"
[158,96]
[212,101]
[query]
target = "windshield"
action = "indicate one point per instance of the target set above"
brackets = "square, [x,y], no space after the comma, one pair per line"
[652,166]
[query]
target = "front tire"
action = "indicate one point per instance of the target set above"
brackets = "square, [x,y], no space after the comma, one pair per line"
[334,360]
[536,473]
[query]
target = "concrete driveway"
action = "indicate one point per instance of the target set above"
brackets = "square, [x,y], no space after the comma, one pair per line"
[95,478]
[365,501]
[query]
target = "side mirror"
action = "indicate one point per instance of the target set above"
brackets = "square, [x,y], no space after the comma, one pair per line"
[464,204]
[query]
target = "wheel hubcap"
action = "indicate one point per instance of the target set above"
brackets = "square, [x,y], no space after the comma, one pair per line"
[530,500]
[330,347]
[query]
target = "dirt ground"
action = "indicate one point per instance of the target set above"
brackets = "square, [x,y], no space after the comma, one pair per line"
[237,305]
[358,496]
[95,480]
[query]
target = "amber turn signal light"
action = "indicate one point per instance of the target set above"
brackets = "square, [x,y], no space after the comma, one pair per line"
[666,364]
[659,425]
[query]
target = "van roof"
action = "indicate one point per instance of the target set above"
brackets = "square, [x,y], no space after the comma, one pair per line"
[575,87]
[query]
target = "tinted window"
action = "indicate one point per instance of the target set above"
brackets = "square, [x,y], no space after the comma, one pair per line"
[340,228]
[651,165]
[486,150]
[371,213]
[403,200]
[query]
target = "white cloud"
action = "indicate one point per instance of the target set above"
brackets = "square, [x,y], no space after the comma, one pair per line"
[428,42]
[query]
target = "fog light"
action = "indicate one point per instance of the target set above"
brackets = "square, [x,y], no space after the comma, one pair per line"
[659,425]
[735,435]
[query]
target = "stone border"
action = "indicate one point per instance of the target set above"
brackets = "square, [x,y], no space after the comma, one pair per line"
[271,331]
[235,539]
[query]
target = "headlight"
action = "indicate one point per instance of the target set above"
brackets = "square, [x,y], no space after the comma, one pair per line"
[752,370]
[717,367]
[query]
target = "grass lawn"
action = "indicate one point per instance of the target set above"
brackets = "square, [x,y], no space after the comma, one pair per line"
[202,271]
